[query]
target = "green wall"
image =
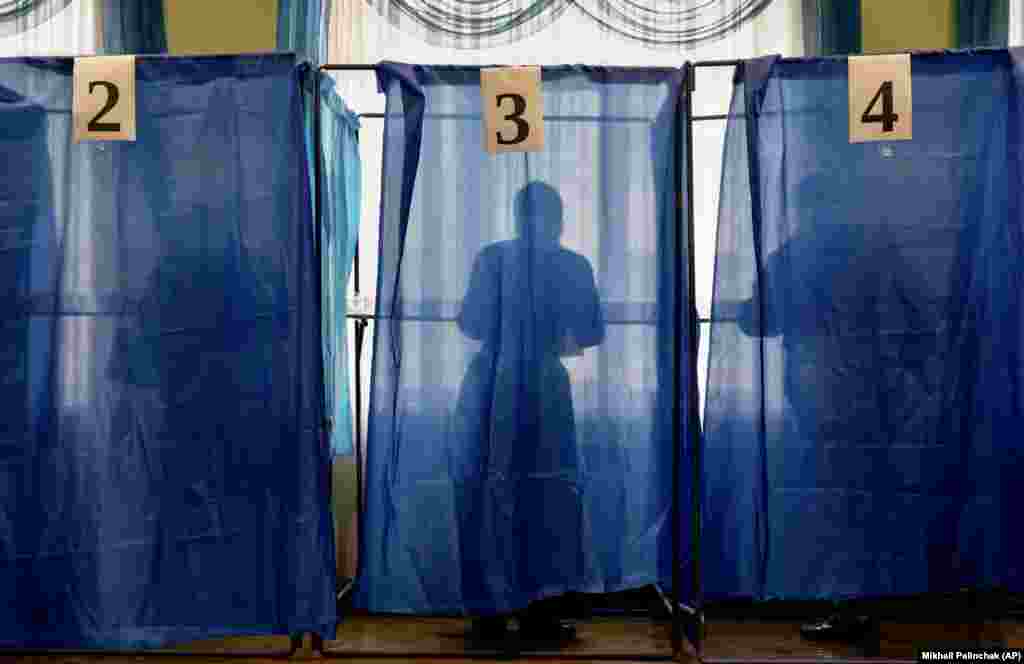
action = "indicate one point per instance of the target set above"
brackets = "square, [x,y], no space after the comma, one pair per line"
[221,26]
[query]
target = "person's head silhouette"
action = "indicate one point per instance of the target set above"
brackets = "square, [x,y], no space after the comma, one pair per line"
[538,211]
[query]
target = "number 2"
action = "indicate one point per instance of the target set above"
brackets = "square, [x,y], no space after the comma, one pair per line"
[887,117]
[113,94]
[516,116]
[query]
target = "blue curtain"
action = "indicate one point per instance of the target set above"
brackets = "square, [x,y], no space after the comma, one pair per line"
[302,28]
[133,26]
[864,404]
[520,434]
[342,195]
[163,471]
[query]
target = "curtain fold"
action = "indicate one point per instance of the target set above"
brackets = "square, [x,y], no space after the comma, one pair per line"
[660,25]
[982,23]
[50,27]
[302,28]
[865,361]
[342,199]
[162,460]
[471,24]
[1016,29]
[836,25]
[23,15]
[133,27]
[520,435]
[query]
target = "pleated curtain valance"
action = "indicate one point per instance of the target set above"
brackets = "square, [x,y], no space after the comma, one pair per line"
[658,23]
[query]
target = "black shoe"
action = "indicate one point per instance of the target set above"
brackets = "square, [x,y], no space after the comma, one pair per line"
[545,629]
[488,629]
[837,627]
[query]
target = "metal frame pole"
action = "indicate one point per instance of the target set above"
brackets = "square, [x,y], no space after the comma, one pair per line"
[694,352]
[680,201]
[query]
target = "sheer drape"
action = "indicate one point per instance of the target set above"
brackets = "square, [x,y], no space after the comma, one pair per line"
[302,28]
[162,463]
[1016,27]
[342,200]
[520,434]
[84,27]
[359,34]
[67,27]
[470,24]
[863,390]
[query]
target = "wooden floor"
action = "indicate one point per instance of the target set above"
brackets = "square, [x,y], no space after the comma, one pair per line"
[746,639]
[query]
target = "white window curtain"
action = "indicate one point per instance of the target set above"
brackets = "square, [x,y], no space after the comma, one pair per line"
[51,27]
[1016,23]
[360,34]
[64,28]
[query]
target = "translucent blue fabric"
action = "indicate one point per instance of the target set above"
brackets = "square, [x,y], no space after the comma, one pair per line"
[342,196]
[302,28]
[864,408]
[520,432]
[163,471]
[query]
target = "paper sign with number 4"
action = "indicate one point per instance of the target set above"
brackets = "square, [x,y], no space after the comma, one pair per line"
[104,98]
[881,106]
[513,109]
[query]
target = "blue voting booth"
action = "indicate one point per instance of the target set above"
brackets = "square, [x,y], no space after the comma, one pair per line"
[863,415]
[162,458]
[520,439]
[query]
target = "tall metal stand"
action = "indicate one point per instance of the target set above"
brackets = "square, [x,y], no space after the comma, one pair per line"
[693,402]
[682,157]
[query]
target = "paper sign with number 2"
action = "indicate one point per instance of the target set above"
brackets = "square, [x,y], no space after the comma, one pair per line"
[104,98]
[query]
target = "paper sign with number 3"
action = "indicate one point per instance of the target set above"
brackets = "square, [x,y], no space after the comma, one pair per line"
[104,98]
[513,109]
[881,106]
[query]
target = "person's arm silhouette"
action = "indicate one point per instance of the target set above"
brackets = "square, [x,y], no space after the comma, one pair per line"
[586,328]
[747,314]
[478,312]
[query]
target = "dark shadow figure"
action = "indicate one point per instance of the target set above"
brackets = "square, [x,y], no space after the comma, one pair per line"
[200,356]
[860,338]
[27,249]
[514,459]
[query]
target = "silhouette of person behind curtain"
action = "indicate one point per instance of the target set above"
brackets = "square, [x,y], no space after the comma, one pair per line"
[27,268]
[531,303]
[859,343]
[846,303]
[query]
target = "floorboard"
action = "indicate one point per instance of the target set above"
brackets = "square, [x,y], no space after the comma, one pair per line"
[725,639]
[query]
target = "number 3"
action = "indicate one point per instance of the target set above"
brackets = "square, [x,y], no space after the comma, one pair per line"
[887,118]
[113,94]
[516,116]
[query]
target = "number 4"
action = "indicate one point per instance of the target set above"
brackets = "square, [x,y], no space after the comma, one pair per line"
[887,117]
